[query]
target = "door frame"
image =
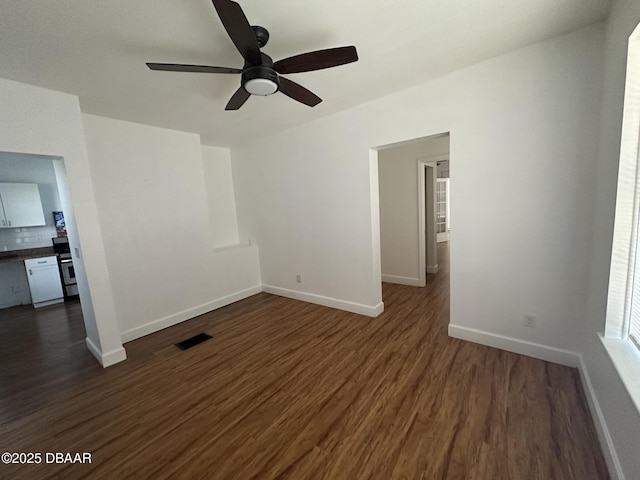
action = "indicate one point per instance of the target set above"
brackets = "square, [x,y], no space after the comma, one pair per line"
[428,261]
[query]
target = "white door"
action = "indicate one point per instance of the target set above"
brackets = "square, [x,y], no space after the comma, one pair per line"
[442,210]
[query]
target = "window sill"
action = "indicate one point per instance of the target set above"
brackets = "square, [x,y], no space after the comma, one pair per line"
[626,360]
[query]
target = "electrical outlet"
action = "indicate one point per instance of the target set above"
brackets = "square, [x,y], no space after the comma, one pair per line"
[298,279]
[529,320]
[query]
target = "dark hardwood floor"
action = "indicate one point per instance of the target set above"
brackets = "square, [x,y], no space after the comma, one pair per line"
[287,389]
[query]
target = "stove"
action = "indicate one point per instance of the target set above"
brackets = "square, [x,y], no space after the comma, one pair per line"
[65,262]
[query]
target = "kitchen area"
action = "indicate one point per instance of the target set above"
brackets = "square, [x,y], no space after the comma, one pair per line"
[42,331]
[36,265]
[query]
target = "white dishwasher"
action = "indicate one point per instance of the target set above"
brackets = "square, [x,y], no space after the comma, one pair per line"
[44,281]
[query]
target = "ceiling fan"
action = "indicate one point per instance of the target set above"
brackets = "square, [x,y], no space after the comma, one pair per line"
[260,74]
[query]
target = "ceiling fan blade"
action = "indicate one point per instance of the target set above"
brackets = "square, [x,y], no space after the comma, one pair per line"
[238,99]
[298,92]
[306,62]
[175,67]
[238,28]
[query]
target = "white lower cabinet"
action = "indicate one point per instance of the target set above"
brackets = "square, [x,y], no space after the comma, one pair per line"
[44,281]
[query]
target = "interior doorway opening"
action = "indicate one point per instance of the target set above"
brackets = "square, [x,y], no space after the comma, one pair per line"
[53,333]
[414,207]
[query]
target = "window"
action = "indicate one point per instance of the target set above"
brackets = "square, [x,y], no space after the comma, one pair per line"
[634,313]
[634,309]
[622,329]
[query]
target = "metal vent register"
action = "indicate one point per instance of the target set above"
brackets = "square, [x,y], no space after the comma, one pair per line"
[193,341]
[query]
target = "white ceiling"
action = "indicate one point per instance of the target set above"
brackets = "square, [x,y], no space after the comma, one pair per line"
[97,49]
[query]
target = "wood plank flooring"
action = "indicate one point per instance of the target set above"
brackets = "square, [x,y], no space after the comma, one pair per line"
[290,390]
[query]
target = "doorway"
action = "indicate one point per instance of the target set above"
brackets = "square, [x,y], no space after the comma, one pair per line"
[37,341]
[408,206]
[43,232]
[427,218]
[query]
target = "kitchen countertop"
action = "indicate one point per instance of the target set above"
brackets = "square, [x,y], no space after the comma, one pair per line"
[21,255]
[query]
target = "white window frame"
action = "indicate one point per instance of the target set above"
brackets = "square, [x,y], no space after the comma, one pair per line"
[624,353]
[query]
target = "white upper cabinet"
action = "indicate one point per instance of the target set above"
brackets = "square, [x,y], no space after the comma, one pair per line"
[21,205]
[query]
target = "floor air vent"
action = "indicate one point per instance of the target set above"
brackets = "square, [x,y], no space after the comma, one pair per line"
[193,341]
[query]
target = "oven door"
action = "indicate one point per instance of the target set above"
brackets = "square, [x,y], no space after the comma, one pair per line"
[68,272]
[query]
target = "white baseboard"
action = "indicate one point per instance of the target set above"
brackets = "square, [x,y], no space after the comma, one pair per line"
[368,310]
[106,359]
[170,320]
[530,349]
[613,464]
[179,317]
[48,302]
[412,282]
[555,355]
[432,268]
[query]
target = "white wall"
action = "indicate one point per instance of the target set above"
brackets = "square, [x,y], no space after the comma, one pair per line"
[152,205]
[220,195]
[398,180]
[304,193]
[622,418]
[305,196]
[39,121]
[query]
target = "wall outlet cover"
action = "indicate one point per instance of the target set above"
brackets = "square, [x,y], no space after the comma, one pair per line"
[529,320]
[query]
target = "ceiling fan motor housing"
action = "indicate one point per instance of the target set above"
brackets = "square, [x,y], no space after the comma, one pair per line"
[260,79]
[262,35]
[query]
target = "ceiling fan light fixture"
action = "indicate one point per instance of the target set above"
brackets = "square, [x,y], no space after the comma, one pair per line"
[261,86]
[260,80]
